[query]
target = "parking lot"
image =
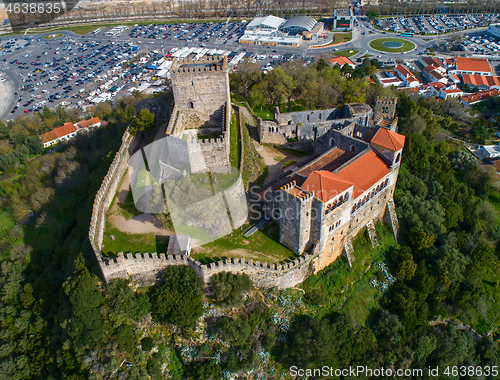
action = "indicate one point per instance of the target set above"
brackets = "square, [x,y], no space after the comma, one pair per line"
[71,72]
[435,24]
[213,32]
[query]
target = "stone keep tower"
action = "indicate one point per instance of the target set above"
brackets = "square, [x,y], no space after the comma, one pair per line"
[295,207]
[201,88]
[385,107]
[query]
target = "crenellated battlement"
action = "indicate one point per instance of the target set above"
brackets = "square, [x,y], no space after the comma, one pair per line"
[213,64]
[145,268]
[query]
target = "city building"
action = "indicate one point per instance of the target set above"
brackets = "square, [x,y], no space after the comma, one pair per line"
[482,82]
[68,130]
[407,77]
[342,19]
[474,66]
[479,96]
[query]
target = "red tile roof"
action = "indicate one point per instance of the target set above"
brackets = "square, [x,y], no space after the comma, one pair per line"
[473,64]
[480,96]
[388,139]
[65,130]
[87,123]
[326,185]
[48,137]
[437,85]
[452,91]
[481,80]
[341,61]
[366,171]
[405,73]
[431,70]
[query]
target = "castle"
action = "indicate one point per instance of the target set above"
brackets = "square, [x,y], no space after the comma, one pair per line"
[347,186]
[320,206]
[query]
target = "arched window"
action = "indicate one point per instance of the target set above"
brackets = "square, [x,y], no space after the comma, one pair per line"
[346,197]
[398,157]
[332,142]
[307,117]
[353,209]
[386,182]
[191,105]
[353,149]
[320,116]
[341,200]
[373,193]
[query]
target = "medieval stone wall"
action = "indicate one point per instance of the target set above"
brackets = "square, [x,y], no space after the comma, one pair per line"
[146,268]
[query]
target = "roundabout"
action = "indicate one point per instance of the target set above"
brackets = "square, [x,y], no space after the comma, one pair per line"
[52,36]
[392,45]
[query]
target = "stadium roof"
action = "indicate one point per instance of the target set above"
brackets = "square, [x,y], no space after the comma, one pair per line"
[304,22]
[268,21]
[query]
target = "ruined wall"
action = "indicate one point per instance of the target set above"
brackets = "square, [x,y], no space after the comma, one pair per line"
[335,138]
[269,132]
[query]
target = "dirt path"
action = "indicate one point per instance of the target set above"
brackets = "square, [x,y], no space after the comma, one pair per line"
[140,224]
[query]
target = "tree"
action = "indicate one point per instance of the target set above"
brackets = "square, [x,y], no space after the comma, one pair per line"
[227,288]
[124,303]
[143,122]
[178,300]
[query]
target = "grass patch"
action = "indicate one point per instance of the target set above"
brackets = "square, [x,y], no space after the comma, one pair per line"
[132,242]
[128,209]
[265,113]
[406,45]
[349,289]
[263,245]
[234,143]
[346,53]
[347,36]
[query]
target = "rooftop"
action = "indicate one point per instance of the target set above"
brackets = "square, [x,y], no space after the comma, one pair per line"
[305,22]
[330,161]
[364,172]
[481,80]
[473,64]
[326,185]
[388,139]
[341,61]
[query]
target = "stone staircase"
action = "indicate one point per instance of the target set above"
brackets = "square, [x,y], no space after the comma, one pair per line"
[349,252]
[391,217]
[372,233]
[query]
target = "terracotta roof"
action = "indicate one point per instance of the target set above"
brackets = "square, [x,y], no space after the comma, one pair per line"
[65,130]
[341,61]
[330,161]
[388,139]
[473,64]
[325,185]
[481,80]
[455,77]
[408,90]
[365,172]
[480,96]
[405,73]
[87,123]
[436,85]
[452,91]
[48,137]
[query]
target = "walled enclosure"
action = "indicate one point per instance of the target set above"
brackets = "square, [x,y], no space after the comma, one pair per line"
[146,268]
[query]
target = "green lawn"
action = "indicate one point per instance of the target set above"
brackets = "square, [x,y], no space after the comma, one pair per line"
[266,113]
[406,45]
[346,53]
[346,36]
[132,242]
[234,143]
[263,245]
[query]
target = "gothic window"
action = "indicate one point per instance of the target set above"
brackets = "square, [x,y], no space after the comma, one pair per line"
[353,209]
[332,142]
[346,197]
[353,149]
[386,182]
[398,157]
[191,105]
